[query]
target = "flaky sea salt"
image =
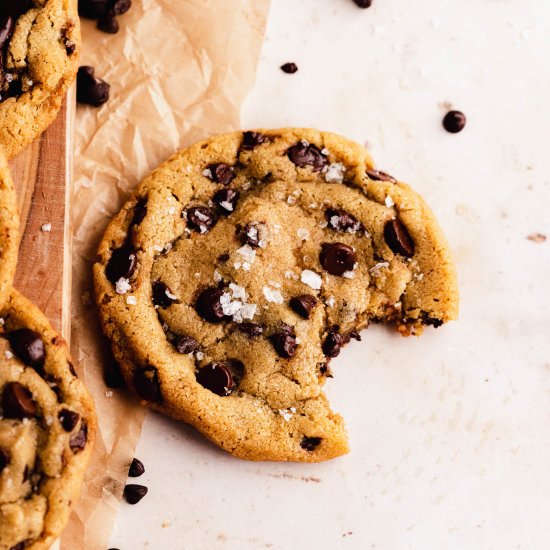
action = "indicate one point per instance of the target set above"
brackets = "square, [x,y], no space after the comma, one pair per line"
[227,206]
[291,275]
[272,295]
[199,355]
[131,300]
[389,201]
[348,274]
[330,301]
[247,311]
[291,200]
[248,253]
[335,173]
[311,279]
[376,270]
[287,414]
[122,286]
[207,173]
[302,233]
[8,354]
[217,277]
[238,292]
[46,228]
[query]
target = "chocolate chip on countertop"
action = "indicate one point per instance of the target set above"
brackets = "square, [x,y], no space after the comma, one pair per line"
[289,68]
[333,343]
[226,199]
[310,443]
[216,377]
[162,295]
[134,493]
[147,385]
[337,258]
[121,264]
[363,3]
[4,459]
[201,219]
[185,344]
[136,468]
[17,401]
[342,221]
[221,173]
[303,305]
[208,305]
[108,23]
[378,175]
[78,441]
[306,154]
[454,121]
[284,342]
[69,419]
[90,89]
[252,140]
[28,346]
[250,329]
[398,239]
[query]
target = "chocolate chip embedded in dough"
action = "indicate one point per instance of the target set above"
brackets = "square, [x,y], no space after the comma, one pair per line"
[209,306]
[29,347]
[378,175]
[17,402]
[398,239]
[147,385]
[226,199]
[201,219]
[333,343]
[4,459]
[251,140]
[250,329]
[303,305]
[284,341]
[305,154]
[216,377]
[310,443]
[122,264]
[337,258]
[221,173]
[68,419]
[162,295]
[79,440]
[185,344]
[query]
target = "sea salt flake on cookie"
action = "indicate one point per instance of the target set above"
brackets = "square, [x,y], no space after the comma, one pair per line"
[272,295]
[311,279]
[335,173]
[122,286]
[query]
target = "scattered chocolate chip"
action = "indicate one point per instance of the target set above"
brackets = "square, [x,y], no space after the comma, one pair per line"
[136,468]
[222,258]
[306,154]
[121,264]
[120,7]
[185,344]
[221,173]
[289,68]
[398,239]
[252,140]
[310,443]
[4,459]
[90,89]
[108,23]
[140,211]
[378,175]
[69,419]
[333,343]
[303,305]
[337,258]
[454,122]
[201,219]
[226,199]
[78,441]
[217,378]
[250,329]
[29,347]
[17,401]
[342,221]
[363,3]
[162,295]
[284,341]
[134,493]
[147,385]
[208,305]
[250,234]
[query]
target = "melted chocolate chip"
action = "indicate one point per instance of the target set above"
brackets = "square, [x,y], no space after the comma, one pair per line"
[398,239]
[284,342]
[122,264]
[201,219]
[90,89]
[342,221]
[136,468]
[303,305]
[378,175]
[29,347]
[226,199]
[108,23]
[251,140]
[185,344]
[289,68]
[134,493]
[147,385]
[310,443]
[140,211]
[306,154]
[4,459]
[217,377]
[221,173]
[250,234]
[337,258]
[333,343]
[454,121]
[162,295]
[78,441]
[69,419]
[17,401]
[208,305]
[251,329]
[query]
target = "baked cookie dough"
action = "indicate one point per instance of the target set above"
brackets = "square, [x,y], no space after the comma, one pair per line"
[9,230]
[47,428]
[39,49]
[240,268]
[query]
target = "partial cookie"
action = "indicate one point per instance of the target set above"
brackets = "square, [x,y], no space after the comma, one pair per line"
[47,428]
[9,230]
[39,49]
[242,265]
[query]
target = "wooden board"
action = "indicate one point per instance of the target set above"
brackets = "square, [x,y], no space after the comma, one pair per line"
[43,175]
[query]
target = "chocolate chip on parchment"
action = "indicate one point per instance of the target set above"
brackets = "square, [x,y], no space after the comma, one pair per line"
[17,401]
[454,122]
[284,341]
[136,468]
[121,264]
[134,493]
[4,459]
[333,343]
[306,154]
[221,173]
[337,258]
[208,305]
[310,443]
[342,221]
[289,68]
[216,377]
[90,89]
[185,344]
[226,199]
[79,440]
[108,23]
[378,175]
[68,419]
[250,329]
[398,239]
[162,295]
[303,305]
[201,219]
[252,139]
[28,346]
[147,385]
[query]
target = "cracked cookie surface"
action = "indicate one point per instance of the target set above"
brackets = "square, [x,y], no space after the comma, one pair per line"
[240,268]
[47,427]
[39,49]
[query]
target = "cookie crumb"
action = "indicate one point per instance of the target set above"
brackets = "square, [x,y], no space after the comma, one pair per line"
[536,238]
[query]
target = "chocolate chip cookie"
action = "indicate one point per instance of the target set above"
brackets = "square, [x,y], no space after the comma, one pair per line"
[39,47]
[47,427]
[245,263]
[9,226]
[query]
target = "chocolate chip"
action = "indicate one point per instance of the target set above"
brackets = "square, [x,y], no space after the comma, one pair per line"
[208,305]
[252,139]
[221,173]
[398,239]
[147,385]
[303,305]
[355,335]
[69,419]
[250,234]
[78,441]
[20,546]
[185,344]
[136,468]
[162,295]
[222,258]
[454,122]
[378,175]
[29,347]
[333,343]
[134,493]
[108,23]
[4,459]
[17,401]
[140,211]
[15,8]
[337,258]
[121,264]
[90,89]
[342,221]
[226,199]
[363,3]
[310,443]
[6,30]
[93,9]
[217,378]
[250,329]
[289,68]
[201,219]
[120,7]
[306,154]
[284,341]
